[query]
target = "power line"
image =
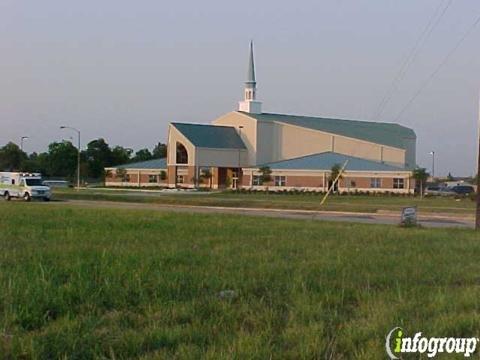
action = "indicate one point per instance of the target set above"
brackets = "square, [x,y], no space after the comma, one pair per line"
[438,68]
[412,55]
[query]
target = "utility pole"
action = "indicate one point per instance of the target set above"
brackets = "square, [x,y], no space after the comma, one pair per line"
[477,217]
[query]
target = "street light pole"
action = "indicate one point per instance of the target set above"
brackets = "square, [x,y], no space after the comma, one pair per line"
[21,141]
[433,164]
[78,156]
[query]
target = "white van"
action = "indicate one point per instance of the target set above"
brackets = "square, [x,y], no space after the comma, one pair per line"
[26,186]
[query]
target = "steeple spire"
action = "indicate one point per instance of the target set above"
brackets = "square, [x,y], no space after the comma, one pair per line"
[249,104]
[251,67]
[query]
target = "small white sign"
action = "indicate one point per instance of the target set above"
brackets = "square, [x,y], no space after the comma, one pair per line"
[409,215]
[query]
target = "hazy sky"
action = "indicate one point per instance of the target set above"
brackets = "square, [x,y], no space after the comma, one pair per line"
[123,70]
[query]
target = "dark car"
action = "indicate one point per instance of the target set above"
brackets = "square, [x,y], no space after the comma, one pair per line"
[463,190]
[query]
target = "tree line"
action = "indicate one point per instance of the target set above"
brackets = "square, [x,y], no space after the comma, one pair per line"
[60,160]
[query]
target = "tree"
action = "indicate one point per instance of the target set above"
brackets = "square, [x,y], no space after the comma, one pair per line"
[61,159]
[159,151]
[142,155]
[122,174]
[335,172]
[12,157]
[207,175]
[120,155]
[108,174]
[196,181]
[265,174]
[98,155]
[420,175]
[163,175]
[36,163]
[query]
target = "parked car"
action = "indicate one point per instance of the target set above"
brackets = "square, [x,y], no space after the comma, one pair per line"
[433,190]
[445,191]
[438,190]
[463,190]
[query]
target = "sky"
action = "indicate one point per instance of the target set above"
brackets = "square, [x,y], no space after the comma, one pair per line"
[123,70]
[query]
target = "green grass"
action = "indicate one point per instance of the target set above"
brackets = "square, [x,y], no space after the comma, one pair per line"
[82,283]
[360,203]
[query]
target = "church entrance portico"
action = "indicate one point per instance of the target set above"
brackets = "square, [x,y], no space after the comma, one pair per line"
[219,178]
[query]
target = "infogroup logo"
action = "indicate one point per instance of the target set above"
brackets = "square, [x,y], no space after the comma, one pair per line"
[396,344]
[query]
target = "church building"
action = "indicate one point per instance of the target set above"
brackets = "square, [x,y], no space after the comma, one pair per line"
[300,152]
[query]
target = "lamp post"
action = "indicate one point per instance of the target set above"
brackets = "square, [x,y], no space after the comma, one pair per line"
[21,141]
[433,164]
[78,157]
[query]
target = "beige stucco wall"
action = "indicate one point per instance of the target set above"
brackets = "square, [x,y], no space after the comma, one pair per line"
[248,133]
[175,136]
[279,141]
[393,156]
[352,147]
[296,141]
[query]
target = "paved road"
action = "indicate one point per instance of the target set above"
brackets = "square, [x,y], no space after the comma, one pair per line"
[430,220]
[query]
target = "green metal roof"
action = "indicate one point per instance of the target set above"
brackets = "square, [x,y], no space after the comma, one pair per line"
[381,133]
[150,164]
[211,136]
[325,161]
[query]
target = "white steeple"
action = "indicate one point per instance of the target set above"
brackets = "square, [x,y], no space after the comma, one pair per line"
[250,104]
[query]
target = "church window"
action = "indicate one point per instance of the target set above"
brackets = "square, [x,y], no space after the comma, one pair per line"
[182,154]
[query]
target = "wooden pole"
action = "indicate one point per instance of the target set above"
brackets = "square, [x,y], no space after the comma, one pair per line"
[477,217]
[333,183]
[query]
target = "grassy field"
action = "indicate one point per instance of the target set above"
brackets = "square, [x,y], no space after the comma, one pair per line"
[280,201]
[118,284]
